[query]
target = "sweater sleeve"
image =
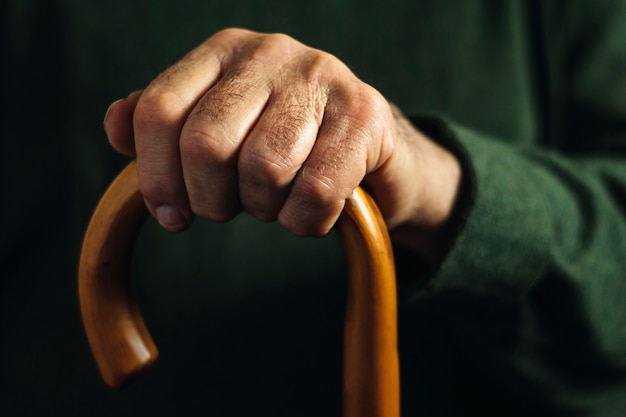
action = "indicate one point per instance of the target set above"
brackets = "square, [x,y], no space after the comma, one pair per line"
[533,289]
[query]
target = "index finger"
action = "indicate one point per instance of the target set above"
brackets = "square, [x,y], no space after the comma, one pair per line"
[158,120]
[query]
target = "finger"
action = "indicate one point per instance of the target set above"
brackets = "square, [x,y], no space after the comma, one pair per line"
[118,124]
[158,119]
[212,137]
[348,147]
[278,146]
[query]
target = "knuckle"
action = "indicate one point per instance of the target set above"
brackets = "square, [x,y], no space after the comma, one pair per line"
[364,111]
[278,40]
[320,64]
[314,203]
[364,104]
[266,170]
[372,99]
[230,33]
[316,189]
[375,106]
[305,221]
[158,109]
[227,37]
[203,145]
[269,49]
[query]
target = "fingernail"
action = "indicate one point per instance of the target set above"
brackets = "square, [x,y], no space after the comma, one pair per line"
[170,218]
[106,115]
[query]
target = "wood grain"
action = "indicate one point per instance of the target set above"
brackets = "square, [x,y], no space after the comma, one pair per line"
[123,347]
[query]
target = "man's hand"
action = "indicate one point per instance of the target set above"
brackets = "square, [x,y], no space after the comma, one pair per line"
[264,124]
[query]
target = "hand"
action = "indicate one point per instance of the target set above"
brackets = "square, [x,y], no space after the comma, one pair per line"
[265,124]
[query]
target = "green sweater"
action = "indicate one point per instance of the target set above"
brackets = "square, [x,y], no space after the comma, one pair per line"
[526,315]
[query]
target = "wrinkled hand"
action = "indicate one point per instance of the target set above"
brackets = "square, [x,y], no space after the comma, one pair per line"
[265,124]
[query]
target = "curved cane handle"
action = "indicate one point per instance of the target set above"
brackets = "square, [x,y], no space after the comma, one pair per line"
[123,348]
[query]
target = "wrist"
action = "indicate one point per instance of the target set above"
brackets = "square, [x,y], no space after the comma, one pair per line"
[427,227]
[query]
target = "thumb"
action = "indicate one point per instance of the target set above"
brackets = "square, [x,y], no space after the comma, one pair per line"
[118,124]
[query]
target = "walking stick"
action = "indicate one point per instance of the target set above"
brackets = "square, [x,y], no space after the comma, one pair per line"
[123,347]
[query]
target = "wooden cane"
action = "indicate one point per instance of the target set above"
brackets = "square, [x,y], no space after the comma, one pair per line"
[123,347]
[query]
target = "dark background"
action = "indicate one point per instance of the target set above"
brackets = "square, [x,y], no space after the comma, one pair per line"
[225,303]
[247,317]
